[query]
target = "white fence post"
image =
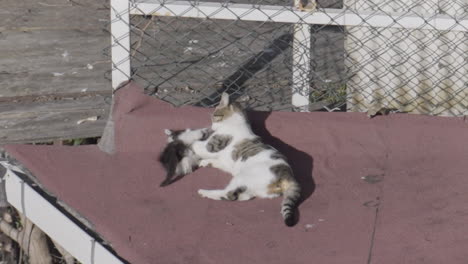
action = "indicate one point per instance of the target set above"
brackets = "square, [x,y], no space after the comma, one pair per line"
[301,64]
[120,39]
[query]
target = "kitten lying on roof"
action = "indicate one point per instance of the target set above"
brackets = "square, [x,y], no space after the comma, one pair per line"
[177,157]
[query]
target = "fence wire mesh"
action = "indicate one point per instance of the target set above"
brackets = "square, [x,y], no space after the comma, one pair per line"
[409,65]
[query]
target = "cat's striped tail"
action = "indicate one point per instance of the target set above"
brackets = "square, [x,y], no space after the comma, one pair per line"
[291,197]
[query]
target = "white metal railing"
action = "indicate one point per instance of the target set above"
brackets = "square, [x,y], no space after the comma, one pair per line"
[300,16]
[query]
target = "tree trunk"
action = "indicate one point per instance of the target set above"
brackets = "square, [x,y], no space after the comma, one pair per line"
[31,239]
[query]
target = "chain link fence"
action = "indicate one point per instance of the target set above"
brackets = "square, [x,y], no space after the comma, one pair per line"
[328,55]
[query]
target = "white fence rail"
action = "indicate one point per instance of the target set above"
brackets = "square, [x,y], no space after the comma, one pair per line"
[280,14]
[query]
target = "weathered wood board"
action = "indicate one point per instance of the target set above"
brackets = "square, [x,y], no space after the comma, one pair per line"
[50,120]
[53,47]
[48,65]
[52,69]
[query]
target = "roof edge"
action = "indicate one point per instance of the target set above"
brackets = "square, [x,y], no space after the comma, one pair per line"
[55,223]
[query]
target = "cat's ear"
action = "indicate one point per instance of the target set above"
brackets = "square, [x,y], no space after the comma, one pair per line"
[168,132]
[224,100]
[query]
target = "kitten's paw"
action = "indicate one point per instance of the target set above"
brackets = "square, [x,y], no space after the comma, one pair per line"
[210,194]
[206,133]
[204,163]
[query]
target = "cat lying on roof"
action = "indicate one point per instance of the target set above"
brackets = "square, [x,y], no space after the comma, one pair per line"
[258,169]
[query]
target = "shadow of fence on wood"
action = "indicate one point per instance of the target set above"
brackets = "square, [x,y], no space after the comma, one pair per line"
[234,84]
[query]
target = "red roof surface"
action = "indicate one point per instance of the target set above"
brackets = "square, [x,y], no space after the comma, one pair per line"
[390,189]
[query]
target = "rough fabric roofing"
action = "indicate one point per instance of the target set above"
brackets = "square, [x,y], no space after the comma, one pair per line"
[391,189]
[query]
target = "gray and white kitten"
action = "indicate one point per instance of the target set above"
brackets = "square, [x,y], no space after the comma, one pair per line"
[177,157]
[258,169]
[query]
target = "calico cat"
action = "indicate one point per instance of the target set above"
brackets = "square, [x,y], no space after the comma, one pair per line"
[258,169]
[177,157]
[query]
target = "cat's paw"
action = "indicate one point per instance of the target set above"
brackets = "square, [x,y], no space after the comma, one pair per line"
[204,163]
[210,194]
[206,133]
[202,192]
[167,131]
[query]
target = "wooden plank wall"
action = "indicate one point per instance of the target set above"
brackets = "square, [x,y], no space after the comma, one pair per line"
[52,69]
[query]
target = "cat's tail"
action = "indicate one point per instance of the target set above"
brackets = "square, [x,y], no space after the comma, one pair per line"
[291,197]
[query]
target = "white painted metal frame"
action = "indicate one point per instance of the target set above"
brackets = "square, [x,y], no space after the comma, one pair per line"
[120,41]
[121,9]
[301,64]
[281,14]
[55,224]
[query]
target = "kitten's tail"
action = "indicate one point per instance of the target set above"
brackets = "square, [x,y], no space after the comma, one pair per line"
[169,175]
[291,197]
[169,160]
